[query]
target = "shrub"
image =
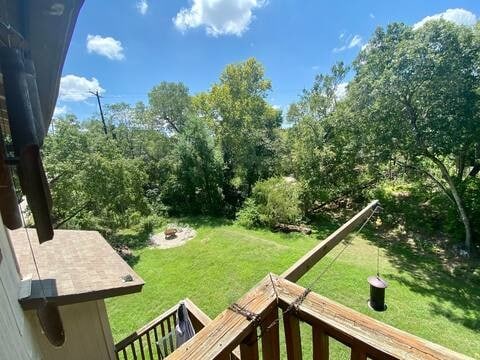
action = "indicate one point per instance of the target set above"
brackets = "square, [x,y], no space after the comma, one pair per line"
[275,200]
[248,216]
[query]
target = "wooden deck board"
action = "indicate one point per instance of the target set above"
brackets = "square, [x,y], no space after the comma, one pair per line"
[224,333]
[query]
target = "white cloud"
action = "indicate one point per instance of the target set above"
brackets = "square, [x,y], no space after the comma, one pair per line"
[60,111]
[372,16]
[340,49]
[105,46]
[142,6]
[341,91]
[355,41]
[457,16]
[219,17]
[77,88]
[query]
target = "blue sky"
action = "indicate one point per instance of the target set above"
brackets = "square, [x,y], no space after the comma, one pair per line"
[125,47]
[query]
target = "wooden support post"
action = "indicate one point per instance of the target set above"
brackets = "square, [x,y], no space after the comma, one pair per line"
[306,262]
[249,347]
[320,344]
[271,336]
[292,336]
[357,354]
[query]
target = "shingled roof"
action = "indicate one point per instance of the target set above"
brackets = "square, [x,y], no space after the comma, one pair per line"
[74,266]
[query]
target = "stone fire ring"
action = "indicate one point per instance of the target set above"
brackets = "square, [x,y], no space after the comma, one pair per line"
[183,234]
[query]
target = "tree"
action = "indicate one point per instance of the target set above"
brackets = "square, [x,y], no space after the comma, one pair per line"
[170,105]
[195,182]
[415,96]
[324,151]
[245,126]
[93,184]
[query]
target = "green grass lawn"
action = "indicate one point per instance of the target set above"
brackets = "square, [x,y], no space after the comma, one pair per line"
[224,261]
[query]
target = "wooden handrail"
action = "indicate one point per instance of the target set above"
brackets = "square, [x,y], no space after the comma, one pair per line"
[226,332]
[145,329]
[197,316]
[366,337]
[147,339]
[363,334]
[306,262]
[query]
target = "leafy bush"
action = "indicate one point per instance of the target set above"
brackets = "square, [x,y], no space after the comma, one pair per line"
[275,200]
[248,216]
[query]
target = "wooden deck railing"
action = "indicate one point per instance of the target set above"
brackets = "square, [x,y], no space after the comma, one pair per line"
[366,337]
[156,339]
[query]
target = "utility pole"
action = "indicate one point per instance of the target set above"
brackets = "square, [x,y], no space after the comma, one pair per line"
[101,111]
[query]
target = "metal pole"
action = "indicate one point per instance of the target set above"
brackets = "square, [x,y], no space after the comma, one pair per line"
[101,111]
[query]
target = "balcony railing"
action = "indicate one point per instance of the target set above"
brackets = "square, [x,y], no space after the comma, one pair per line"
[156,340]
[256,316]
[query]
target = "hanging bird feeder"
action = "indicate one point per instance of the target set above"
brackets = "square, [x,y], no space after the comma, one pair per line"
[377,293]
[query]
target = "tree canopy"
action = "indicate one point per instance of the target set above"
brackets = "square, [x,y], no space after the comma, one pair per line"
[409,114]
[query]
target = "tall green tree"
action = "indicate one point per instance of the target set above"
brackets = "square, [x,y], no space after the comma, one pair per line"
[194,185]
[415,96]
[245,126]
[170,105]
[324,151]
[94,185]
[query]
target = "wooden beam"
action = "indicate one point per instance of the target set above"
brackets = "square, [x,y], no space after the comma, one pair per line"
[358,331]
[320,340]
[230,328]
[306,262]
[200,320]
[293,339]
[271,336]
[197,316]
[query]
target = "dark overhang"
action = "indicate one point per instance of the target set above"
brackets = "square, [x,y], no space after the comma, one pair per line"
[34,39]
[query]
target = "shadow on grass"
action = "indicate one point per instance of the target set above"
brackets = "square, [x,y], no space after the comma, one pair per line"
[430,271]
[198,221]
[132,240]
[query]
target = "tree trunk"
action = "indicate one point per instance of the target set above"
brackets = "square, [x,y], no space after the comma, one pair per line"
[458,200]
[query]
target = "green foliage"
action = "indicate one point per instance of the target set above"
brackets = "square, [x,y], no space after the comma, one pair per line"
[249,216]
[273,201]
[94,186]
[326,152]
[194,186]
[245,126]
[169,105]
[420,107]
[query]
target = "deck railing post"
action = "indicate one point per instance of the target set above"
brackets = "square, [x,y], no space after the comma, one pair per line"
[271,336]
[293,339]
[357,354]
[320,343]
[249,346]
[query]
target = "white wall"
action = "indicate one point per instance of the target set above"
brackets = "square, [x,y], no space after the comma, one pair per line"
[16,339]
[87,333]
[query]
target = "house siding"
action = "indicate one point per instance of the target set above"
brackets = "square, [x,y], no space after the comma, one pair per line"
[16,334]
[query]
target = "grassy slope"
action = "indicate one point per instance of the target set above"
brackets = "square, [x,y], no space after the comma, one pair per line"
[224,261]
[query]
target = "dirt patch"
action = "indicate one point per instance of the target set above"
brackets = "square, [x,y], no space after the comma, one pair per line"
[183,234]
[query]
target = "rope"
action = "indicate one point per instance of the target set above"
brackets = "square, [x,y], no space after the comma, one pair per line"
[44,296]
